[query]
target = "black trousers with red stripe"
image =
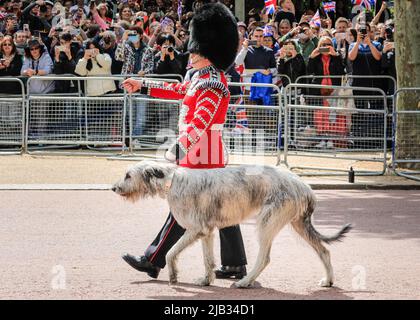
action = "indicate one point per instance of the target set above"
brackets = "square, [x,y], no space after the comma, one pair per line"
[232,250]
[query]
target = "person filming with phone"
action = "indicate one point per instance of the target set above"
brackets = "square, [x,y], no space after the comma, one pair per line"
[326,61]
[365,56]
[134,53]
[10,65]
[290,62]
[38,14]
[167,60]
[95,63]
[256,57]
[364,44]
[64,62]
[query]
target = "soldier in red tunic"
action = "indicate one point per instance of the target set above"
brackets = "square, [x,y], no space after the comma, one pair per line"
[205,98]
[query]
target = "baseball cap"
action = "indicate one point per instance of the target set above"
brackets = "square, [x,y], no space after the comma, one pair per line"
[242,24]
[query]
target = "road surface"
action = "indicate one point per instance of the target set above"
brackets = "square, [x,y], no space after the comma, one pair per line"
[67,245]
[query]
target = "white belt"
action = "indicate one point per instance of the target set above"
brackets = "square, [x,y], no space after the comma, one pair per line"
[216,126]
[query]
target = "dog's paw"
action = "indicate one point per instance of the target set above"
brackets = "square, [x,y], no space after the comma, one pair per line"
[173,279]
[243,284]
[203,282]
[325,282]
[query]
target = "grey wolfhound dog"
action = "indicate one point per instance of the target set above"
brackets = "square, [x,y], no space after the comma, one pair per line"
[203,200]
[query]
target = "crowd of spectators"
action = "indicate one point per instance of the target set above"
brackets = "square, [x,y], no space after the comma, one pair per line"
[144,37]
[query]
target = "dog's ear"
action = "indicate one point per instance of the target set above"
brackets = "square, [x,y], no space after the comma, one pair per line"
[150,173]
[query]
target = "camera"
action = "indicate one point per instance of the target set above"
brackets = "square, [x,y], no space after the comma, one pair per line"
[59,29]
[363,30]
[324,49]
[170,49]
[2,61]
[252,42]
[43,8]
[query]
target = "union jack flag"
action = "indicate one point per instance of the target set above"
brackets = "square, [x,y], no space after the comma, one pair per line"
[241,121]
[368,4]
[270,6]
[316,20]
[268,30]
[329,6]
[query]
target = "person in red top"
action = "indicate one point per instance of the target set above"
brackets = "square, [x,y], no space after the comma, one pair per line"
[205,98]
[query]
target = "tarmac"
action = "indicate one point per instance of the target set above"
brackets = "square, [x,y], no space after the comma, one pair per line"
[63,232]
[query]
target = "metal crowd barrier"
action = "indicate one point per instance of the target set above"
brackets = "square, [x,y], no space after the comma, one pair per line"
[324,127]
[73,121]
[79,122]
[12,118]
[253,125]
[136,125]
[406,143]
[384,82]
[153,124]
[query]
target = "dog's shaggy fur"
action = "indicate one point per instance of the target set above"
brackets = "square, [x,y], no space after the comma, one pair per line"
[203,200]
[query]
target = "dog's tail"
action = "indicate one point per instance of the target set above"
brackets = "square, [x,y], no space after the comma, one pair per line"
[313,234]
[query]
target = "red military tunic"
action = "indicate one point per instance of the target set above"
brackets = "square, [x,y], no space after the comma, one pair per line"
[205,101]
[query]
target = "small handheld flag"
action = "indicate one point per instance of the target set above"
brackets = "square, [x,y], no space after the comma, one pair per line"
[270,6]
[316,20]
[329,6]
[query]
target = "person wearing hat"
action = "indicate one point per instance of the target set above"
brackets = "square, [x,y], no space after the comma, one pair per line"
[243,29]
[212,45]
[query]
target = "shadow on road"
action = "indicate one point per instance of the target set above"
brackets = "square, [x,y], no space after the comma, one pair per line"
[373,213]
[188,291]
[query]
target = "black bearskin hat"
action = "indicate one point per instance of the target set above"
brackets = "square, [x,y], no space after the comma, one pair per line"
[214,35]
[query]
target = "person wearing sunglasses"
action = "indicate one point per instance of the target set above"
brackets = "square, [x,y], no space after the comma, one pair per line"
[37,62]
[10,65]
[325,60]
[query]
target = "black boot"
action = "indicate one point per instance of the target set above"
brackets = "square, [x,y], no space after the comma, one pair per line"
[142,264]
[228,272]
